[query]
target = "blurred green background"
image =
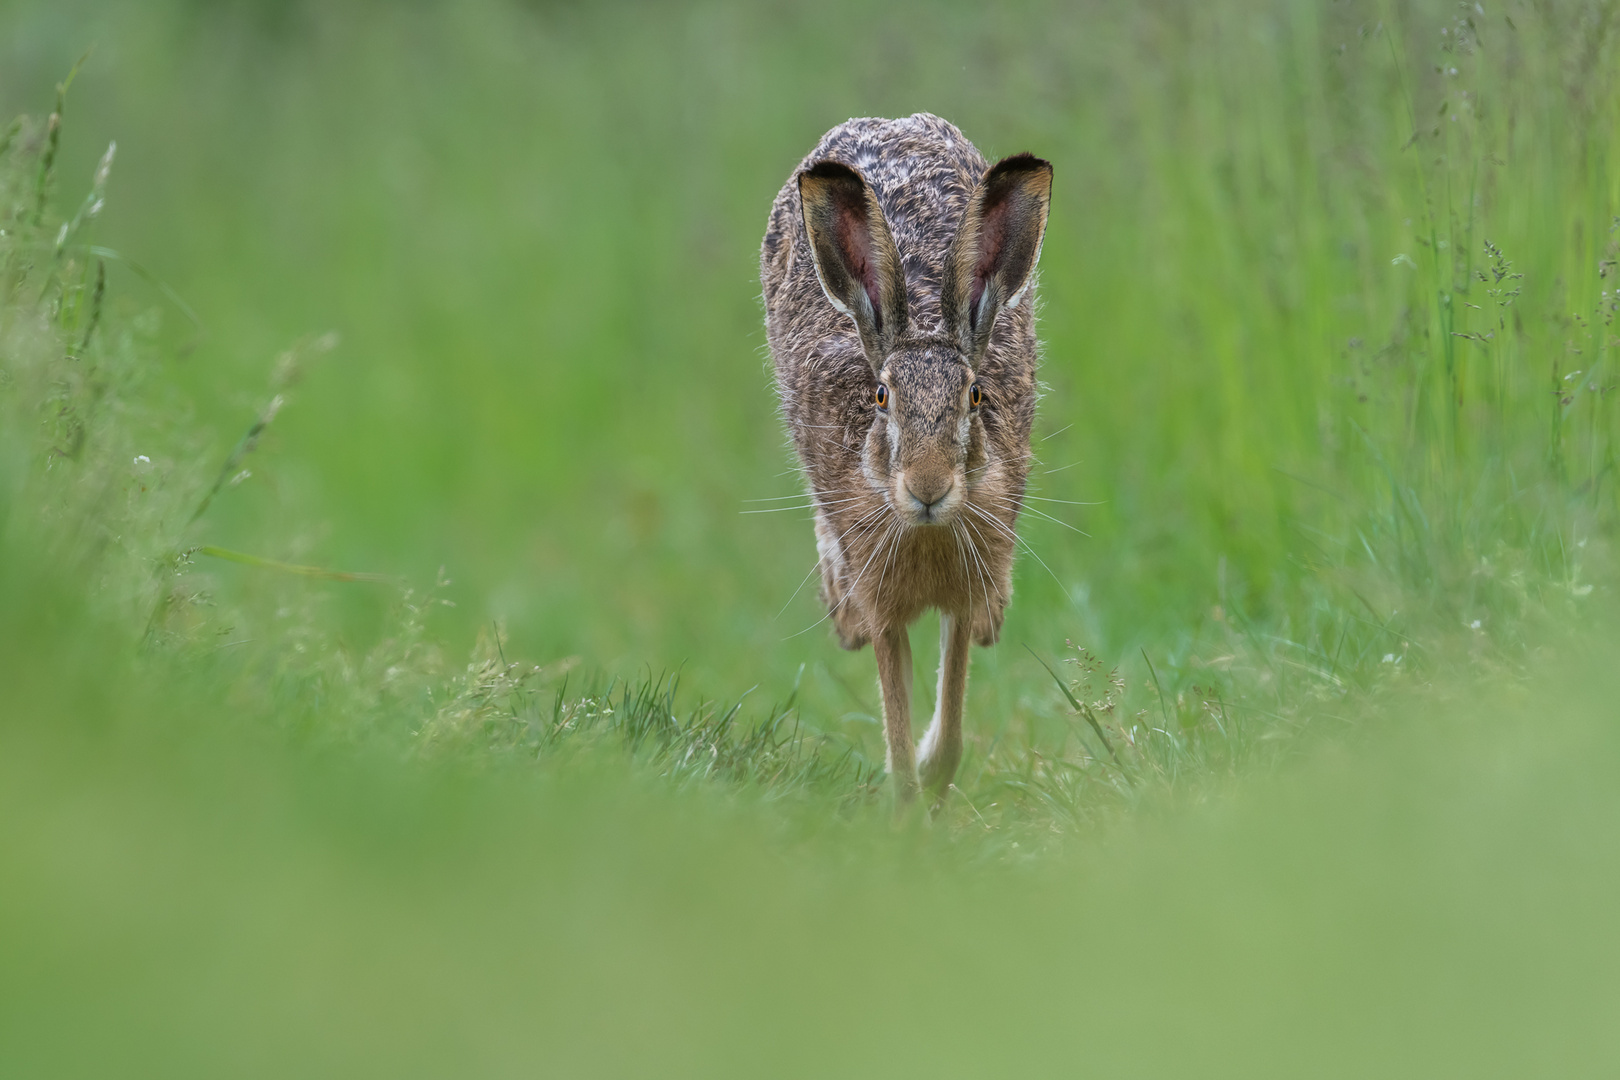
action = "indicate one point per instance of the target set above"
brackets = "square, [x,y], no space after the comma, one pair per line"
[535,229]
[1327,306]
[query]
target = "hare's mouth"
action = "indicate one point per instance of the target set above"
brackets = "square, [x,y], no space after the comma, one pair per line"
[934,502]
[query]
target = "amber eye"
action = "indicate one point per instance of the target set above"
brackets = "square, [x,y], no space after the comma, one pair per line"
[881,396]
[975,396]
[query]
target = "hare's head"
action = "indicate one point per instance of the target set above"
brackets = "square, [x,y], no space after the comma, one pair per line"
[927,446]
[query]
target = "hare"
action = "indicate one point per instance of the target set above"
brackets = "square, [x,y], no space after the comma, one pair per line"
[898,275]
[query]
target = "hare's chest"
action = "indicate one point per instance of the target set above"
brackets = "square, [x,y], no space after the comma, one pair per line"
[895,572]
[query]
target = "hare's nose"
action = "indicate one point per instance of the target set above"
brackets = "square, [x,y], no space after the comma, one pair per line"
[929,490]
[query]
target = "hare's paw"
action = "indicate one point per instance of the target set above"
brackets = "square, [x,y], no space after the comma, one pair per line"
[936,771]
[937,759]
[986,628]
[851,628]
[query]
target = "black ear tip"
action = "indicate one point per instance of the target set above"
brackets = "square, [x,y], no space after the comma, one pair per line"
[1019,163]
[831,170]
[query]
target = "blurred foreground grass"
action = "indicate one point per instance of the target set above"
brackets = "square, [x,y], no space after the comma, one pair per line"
[185,897]
[1328,307]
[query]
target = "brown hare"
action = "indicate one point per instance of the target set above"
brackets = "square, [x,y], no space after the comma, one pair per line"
[897,268]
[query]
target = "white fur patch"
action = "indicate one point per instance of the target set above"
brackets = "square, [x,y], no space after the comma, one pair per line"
[827,546]
[837,303]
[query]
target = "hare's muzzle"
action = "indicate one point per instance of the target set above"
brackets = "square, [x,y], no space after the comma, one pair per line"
[928,496]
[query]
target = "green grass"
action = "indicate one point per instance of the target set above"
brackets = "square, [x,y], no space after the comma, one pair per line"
[395,682]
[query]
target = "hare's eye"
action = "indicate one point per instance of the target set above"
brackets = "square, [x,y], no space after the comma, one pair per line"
[881,396]
[975,396]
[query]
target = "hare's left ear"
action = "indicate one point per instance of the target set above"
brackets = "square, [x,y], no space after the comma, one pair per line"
[855,255]
[991,261]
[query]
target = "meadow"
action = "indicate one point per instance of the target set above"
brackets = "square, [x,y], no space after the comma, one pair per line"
[405,664]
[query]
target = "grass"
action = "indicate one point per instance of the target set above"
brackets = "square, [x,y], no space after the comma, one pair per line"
[379,612]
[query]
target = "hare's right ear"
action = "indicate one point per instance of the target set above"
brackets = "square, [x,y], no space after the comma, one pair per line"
[856,259]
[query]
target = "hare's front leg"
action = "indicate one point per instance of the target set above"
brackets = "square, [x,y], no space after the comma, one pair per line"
[893,649]
[941,749]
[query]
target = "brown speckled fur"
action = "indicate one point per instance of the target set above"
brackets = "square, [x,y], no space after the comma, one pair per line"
[880,568]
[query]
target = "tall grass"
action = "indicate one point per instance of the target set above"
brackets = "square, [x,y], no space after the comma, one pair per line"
[1328,326]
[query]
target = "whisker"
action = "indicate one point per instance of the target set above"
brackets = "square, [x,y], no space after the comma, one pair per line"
[809,491]
[980,559]
[851,590]
[985,577]
[1016,539]
[836,543]
[813,499]
[962,557]
[1065,502]
[1056,521]
[894,547]
[979,570]
[827,505]
[872,513]
[802,583]
[989,579]
[1041,513]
